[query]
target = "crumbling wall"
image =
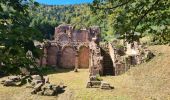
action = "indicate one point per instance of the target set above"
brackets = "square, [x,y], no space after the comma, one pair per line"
[68,56]
[80,36]
[52,55]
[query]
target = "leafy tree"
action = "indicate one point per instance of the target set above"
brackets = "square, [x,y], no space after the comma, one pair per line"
[133,18]
[16,36]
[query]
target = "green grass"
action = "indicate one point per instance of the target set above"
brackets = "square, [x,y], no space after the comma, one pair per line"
[148,81]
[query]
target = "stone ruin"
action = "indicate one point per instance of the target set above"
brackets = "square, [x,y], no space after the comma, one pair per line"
[40,85]
[13,81]
[76,49]
[96,82]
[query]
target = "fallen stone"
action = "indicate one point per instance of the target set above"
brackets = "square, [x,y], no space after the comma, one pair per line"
[36,77]
[93,78]
[93,84]
[89,85]
[38,87]
[35,82]
[2,82]
[40,93]
[46,79]
[9,82]
[61,85]
[105,85]
[49,92]
[14,78]
[33,91]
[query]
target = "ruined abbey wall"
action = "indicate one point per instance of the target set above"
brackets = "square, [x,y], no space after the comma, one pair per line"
[73,49]
[70,47]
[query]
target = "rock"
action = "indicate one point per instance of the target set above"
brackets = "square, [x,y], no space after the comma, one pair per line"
[89,85]
[61,85]
[9,82]
[33,91]
[40,93]
[105,85]
[49,92]
[93,84]
[14,78]
[149,55]
[46,79]
[35,82]
[24,71]
[55,88]
[2,82]
[36,77]
[93,78]
[38,87]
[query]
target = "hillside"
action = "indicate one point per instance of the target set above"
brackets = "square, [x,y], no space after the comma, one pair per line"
[48,17]
[148,81]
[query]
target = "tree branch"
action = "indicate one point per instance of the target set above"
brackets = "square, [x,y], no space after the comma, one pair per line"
[143,16]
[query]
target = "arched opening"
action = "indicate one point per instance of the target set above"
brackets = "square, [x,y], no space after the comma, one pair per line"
[108,68]
[68,57]
[83,57]
[52,55]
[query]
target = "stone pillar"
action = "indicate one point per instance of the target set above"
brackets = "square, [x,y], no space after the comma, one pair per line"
[95,63]
[76,63]
[43,59]
[59,58]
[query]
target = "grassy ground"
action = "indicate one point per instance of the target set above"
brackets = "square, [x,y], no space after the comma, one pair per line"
[148,81]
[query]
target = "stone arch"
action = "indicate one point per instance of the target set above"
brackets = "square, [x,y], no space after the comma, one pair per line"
[68,57]
[83,57]
[52,55]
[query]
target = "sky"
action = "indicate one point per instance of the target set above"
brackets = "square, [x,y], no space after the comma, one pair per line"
[63,2]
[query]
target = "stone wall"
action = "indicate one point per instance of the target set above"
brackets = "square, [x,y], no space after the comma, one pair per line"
[67,59]
[52,55]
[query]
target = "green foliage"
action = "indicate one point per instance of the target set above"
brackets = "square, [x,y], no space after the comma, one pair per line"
[137,16]
[16,35]
[99,78]
[79,16]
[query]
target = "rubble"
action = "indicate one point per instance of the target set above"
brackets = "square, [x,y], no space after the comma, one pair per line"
[40,85]
[12,81]
[95,82]
[105,85]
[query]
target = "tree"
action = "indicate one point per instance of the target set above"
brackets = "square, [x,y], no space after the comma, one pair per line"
[135,17]
[16,36]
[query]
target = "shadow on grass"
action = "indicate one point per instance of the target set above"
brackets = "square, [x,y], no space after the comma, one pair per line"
[52,70]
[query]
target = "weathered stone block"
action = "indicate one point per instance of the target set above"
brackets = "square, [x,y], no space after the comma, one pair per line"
[9,82]
[36,77]
[49,92]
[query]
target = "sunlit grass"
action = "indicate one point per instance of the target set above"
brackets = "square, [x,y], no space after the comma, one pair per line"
[148,81]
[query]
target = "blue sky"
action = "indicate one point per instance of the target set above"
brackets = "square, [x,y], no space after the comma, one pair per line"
[63,2]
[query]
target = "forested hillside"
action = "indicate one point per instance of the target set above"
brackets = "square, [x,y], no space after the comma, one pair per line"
[131,19]
[47,17]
